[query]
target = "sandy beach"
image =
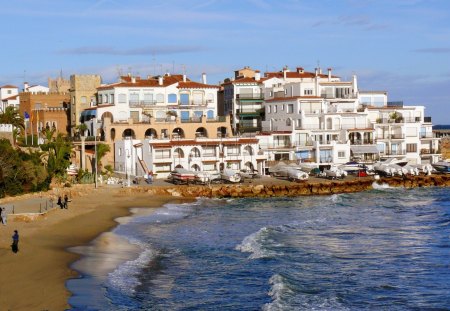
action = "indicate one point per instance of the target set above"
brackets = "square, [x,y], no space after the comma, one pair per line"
[34,278]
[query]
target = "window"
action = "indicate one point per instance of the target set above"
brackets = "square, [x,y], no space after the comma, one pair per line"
[184,99]
[209,151]
[120,152]
[341,154]
[165,167]
[134,98]
[270,94]
[172,98]
[9,91]
[111,97]
[148,98]
[122,98]
[308,92]
[210,114]
[162,154]
[209,167]
[290,108]
[159,98]
[275,109]
[411,147]
[233,150]
[282,107]
[269,109]
[288,122]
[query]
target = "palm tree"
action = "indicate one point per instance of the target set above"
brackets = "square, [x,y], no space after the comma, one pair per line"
[48,133]
[12,116]
[102,150]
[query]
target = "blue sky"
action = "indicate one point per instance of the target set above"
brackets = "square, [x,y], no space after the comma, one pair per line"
[400,46]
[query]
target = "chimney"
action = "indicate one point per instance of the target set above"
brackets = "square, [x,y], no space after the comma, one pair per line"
[129,74]
[316,71]
[25,86]
[320,70]
[160,80]
[257,76]
[204,78]
[300,70]
[329,74]
[284,73]
[133,79]
[184,78]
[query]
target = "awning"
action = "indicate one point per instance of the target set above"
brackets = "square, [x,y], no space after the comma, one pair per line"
[364,149]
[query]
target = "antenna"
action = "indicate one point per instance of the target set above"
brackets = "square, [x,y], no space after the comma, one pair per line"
[24,76]
[173,67]
[154,63]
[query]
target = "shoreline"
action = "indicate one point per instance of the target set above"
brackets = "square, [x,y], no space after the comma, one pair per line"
[35,277]
[43,265]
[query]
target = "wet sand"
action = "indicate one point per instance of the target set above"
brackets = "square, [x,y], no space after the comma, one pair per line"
[34,278]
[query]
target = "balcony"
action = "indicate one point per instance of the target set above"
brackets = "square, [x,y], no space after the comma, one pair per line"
[250,96]
[250,112]
[361,142]
[397,136]
[429,151]
[141,103]
[394,152]
[193,103]
[426,135]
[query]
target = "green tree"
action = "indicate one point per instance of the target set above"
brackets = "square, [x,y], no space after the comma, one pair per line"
[58,155]
[12,116]
[102,150]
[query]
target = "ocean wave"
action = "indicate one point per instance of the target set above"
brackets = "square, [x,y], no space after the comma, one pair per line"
[378,186]
[126,277]
[254,242]
[286,297]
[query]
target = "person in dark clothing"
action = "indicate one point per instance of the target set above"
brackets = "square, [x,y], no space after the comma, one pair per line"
[66,201]
[60,202]
[15,243]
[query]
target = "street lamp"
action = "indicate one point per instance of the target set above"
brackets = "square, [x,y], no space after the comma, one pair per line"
[128,174]
[95,150]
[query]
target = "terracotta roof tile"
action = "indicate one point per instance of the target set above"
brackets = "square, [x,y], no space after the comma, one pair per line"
[196,85]
[8,86]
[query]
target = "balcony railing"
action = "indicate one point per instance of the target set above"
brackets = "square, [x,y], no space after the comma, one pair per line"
[361,142]
[394,152]
[426,135]
[250,96]
[141,103]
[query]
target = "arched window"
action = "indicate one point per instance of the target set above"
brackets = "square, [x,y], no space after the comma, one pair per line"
[178,153]
[248,150]
[195,153]
[288,122]
[195,168]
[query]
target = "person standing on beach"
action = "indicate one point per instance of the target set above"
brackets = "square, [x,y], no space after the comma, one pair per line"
[3,215]
[66,201]
[15,244]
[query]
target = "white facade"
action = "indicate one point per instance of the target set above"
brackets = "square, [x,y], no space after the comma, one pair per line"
[157,97]
[133,157]
[318,116]
[9,96]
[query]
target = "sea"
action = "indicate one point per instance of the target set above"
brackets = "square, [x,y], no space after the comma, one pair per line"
[384,249]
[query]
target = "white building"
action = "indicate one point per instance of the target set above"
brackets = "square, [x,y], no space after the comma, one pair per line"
[135,157]
[9,96]
[157,97]
[322,119]
[35,88]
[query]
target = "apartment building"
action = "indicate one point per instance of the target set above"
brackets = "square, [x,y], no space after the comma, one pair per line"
[157,97]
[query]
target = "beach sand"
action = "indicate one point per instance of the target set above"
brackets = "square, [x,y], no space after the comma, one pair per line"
[34,278]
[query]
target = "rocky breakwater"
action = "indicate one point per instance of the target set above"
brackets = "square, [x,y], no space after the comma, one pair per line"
[435,180]
[324,187]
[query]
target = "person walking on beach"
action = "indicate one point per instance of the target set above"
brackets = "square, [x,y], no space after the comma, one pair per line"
[3,215]
[15,244]
[66,201]
[60,202]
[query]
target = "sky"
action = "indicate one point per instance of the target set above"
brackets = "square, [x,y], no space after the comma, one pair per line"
[398,46]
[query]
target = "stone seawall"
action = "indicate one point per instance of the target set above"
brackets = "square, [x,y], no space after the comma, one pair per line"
[290,190]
